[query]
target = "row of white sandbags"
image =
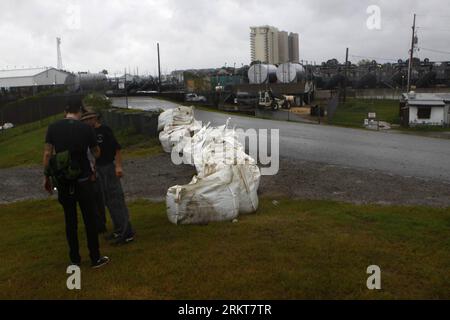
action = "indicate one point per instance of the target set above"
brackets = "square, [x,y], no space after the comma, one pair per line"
[226,175]
[227,181]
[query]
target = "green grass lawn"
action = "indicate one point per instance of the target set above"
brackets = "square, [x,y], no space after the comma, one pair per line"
[24,145]
[354,111]
[294,250]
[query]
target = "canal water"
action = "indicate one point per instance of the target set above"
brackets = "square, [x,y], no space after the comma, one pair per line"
[143,103]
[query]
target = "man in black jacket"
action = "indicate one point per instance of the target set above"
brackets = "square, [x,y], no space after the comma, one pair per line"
[109,172]
[75,137]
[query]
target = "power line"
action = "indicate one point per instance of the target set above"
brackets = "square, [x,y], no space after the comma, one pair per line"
[434,50]
[433,16]
[433,28]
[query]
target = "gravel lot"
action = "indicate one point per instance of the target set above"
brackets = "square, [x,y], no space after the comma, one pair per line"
[151,177]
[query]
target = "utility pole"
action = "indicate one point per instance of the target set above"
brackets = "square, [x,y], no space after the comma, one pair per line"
[159,71]
[126,88]
[345,75]
[411,54]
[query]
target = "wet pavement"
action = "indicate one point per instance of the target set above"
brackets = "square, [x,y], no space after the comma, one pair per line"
[399,154]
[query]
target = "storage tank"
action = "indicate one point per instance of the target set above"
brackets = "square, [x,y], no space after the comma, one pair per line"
[91,81]
[262,73]
[291,73]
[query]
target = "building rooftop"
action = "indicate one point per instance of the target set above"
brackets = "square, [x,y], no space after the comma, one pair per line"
[425,99]
[20,73]
[445,96]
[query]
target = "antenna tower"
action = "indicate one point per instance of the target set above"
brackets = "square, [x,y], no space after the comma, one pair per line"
[58,50]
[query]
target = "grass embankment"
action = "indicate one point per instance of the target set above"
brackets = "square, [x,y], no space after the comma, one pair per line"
[294,250]
[354,111]
[23,146]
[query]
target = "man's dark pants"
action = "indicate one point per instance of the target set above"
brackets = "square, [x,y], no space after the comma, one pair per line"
[100,207]
[83,194]
[115,200]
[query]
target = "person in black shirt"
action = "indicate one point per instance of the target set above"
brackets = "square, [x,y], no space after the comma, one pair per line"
[109,171]
[71,135]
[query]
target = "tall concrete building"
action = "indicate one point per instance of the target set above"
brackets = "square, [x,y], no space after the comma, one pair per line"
[264,44]
[283,47]
[294,48]
[271,46]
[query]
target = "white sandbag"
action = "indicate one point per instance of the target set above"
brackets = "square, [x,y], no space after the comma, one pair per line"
[210,199]
[178,148]
[7,126]
[171,136]
[179,116]
[182,116]
[245,171]
[193,154]
[165,119]
[249,177]
[222,151]
[227,178]
[178,137]
[211,135]
[196,126]
[194,144]
[176,124]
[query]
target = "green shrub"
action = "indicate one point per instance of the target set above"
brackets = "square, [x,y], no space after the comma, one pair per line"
[97,102]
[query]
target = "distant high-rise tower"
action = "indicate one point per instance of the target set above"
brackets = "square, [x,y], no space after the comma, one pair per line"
[283,47]
[294,48]
[58,50]
[269,45]
[264,44]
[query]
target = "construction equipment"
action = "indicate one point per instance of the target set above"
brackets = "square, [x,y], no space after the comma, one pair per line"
[268,100]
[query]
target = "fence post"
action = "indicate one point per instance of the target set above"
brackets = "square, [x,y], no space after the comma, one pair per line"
[40,113]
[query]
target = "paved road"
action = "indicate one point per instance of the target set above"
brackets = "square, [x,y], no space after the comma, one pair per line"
[144,103]
[398,154]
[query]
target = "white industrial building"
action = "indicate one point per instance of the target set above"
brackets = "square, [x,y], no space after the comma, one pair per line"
[16,79]
[425,109]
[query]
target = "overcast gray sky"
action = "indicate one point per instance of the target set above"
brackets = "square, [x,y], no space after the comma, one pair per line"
[114,34]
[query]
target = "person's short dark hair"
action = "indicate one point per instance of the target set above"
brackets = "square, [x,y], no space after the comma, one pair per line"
[74,105]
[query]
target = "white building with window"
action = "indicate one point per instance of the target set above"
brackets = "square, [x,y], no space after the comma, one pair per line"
[431,109]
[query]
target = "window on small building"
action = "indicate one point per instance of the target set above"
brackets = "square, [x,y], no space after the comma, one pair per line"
[424,112]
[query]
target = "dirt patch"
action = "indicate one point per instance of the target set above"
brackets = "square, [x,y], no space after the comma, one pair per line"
[151,177]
